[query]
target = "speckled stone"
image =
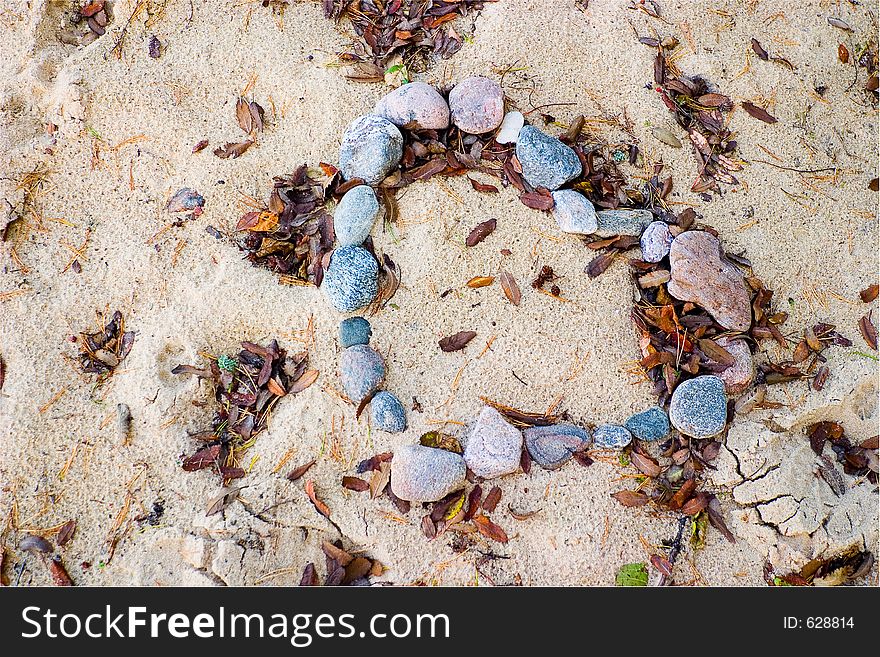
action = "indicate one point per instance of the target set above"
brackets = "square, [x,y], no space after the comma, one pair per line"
[546,161]
[426,474]
[494,446]
[738,377]
[623,222]
[611,436]
[415,105]
[387,413]
[574,213]
[477,105]
[649,425]
[699,407]
[354,330]
[701,274]
[354,216]
[362,371]
[510,128]
[552,446]
[371,149]
[352,279]
[655,241]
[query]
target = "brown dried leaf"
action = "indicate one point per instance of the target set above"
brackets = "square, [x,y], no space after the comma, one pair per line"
[758,112]
[869,331]
[759,50]
[630,498]
[65,534]
[480,281]
[645,464]
[380,479]
[200,146]
[480,232]
[296,473]
[600,263]
[243,116]
[339,555]
[322,508]
[222,500]
[489,529]
[694,505]
[521,515]
[537,201]
[511,289]
[204,458]
[716,352]
[309,576]
[303,382]
[58,573]
[483,187]
[232,150]
[492,499]
[869,293]
[457,342]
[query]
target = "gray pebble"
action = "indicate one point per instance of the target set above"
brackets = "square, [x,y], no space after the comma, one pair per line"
[371,149]
[550,447]
[655,241]
[546,161]
[362,371]
[354,330]
[415,105]
[426,474]
[623,222]
[352,279]
[649,425]
[477,105]
[494,446]
[574,212]
[387,413]
[354,216]
[611,436]
[699,407]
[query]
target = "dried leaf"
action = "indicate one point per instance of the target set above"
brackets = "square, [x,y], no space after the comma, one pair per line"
[645,464]
[232,150]
[204,458]
[521,515]
[309,576]
[380,479]
[223,499]
[355,483]
[200,146]
[537,201]
[303,382]
[480,281]
[58,573]
[511,289]
[630,498]
[65,534]
[483,187]
[758,112]
[457,342]
[716,352]
[339,555]
[296,473]
[492,499]
[842,54]
[243,115]
[489,529]
[868,330]
[759,50]
[869,293]
[694,505]
[480,232]
[440,440]
[322,508]
[600,263]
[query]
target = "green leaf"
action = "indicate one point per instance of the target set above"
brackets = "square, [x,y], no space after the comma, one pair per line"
[699,525]
[632,574]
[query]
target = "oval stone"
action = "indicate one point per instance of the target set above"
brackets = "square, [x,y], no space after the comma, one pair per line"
[649,425]
[546,161]
[574,213]
[352,279]
[476,105]
[655,241]
[494,446]
[739,376]
[354,330]
[426,474]
[416,105]
[371,149]
[361,370]
[552,446]
[611,436]
[510,128]
[699,407]
[354,216]
[625,221]
[387,413]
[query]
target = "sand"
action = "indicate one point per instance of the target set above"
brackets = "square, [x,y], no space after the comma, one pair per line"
[126,127]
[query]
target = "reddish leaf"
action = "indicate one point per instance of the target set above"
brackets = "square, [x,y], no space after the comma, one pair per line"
[309,576]
[537,201]
[630,498]
[322,508]
[296,473]
[355,483]
[492,499]
[480,232]
[204,458]
[869,293]
[65,534]
[457,342]
[483,187]
[758,112]
[868,330]
[489,529]
[58,573]
[511,289]
[231,150]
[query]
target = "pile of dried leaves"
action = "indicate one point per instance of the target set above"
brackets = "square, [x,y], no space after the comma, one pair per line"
[102,351]
[87,23]
[343,568]
[857,460]
[246,388]
[849,566]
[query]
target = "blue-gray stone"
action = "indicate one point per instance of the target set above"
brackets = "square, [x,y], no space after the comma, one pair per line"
[698,407]
[387,413]
[352,279]
[611,436]
[649,425]
[550,447]
[362,371]
[573,212]
[354,216]
[354,330]
[426,474]
[623,222]
[371,149]
[546,161]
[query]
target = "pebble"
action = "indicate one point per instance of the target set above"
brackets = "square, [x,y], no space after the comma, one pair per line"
[362,371]
[354,330]
[623,222]
[387,413]
[699,407]
[546,161]
[494,446]
[426,474]
[510,128]
[649,425]
[611,436]
[739,376]
[574,212]
[185,199]
[477,105]
[415,105]
[552,446]
[354,216]
[655,241]
[700,273]
[371,149]
[352,279]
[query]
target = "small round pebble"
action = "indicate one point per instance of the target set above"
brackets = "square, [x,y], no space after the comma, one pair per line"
[699,407]
[426,474]
[416,106]
[387,413]
[624,221]
[611,436]
[510,128]
[574,212]
[554,445]
[494,446]
[354,330]
[738,377]
[655,241]
[371,149]
[354,216]
[362,371]
[546,161]
[477,105]
[352,279]
[649,425]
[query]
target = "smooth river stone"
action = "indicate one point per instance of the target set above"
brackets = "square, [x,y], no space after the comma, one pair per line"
[739,376]
[352,279]
[494,446]
[426,474]
[546,161]
[611,436]
[510,128]
[371,149]
[625,221]
[387,413]
[476,105]
[552,446]
[574,213]
[655,241]
[649,425]
[354,330]
[700,273]
[416,106]
[361,370]
[354,216]
[699,407]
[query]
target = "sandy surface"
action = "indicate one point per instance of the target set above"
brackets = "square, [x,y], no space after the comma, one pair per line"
[126,128]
